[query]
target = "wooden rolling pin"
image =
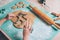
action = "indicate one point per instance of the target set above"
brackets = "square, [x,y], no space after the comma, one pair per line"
[44,16]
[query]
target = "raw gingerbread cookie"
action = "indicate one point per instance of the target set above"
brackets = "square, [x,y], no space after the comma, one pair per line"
[14,7]
[57,15]
[21,17]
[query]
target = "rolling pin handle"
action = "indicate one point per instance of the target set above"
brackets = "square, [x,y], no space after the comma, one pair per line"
[57,26]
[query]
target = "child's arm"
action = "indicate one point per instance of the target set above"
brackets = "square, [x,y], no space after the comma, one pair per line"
[55,14]
[9,16]
[2,21]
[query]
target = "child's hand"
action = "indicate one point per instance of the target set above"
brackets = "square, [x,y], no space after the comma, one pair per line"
[10,16]
[27,30]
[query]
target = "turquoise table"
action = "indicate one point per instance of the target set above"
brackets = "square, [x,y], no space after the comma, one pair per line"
[41,31]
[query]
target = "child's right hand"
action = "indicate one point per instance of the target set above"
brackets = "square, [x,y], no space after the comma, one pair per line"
[9,16]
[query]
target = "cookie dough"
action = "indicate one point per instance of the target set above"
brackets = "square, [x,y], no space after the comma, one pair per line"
[21,17]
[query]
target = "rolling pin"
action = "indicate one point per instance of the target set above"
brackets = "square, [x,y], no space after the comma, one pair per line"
[44,16]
